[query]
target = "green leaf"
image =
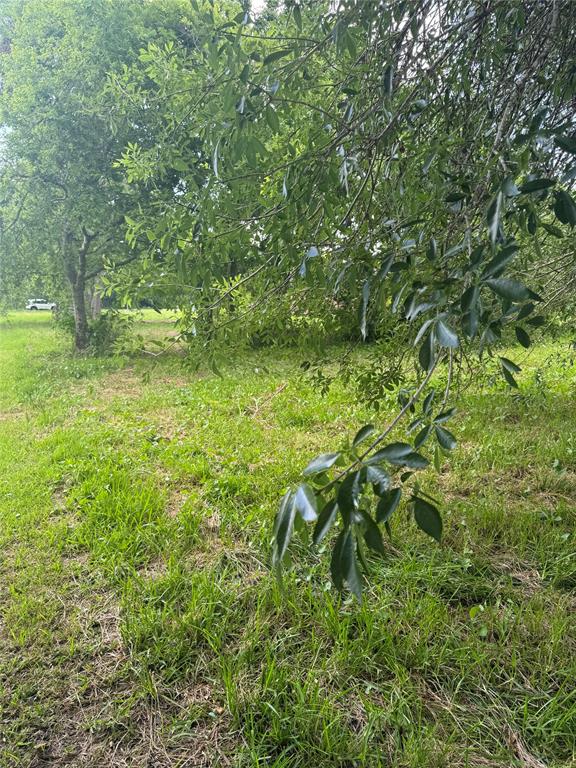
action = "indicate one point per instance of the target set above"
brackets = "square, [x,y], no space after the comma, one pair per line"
[444,416]
[364,308]
[522,336]
[414,308]
[179,165]
[350,566]
[422,330]
[348,494]
[565,208]
[509,365]
[272,119]
[362,434]
[336,561]
[477,256]
[297,13]
[350,44]
[428,162]
[401,455]
[428,400]
[387,505]
[509,289]
[362,562]
[437,458]
[244,74]
[445,335]
[427,518]
[508,370]
[276,56]
[526,310]
[422,436]
[552,230]
[432,251]
[321,463]
[470,323]
[325,521]
[372,535]
[493,217]
[445,438]
[392,453]
[509,378]
[378,477]
[385,268]
[413,424]
[566,143]
[536,185]
[426,352]
[496,266]
[415,461]
[305,503]
[469,298]
[302,529]
[454,250]
[283,527]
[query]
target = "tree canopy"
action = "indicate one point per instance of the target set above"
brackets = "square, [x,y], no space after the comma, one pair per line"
[410,159]
[63,202]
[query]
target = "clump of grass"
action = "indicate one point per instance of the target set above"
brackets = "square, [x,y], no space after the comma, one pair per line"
[121,519]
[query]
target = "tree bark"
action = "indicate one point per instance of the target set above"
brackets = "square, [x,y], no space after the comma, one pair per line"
[80,319]
[76,272]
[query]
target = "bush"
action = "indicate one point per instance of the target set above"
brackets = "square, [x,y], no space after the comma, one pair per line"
[107,334]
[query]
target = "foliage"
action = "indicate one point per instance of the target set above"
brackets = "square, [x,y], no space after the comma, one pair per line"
[63,204]
[109,333]
[412,160]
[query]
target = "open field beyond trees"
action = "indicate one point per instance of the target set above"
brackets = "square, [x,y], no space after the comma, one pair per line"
[140,622]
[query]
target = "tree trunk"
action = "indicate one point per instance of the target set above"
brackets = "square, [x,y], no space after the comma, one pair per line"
[76,272]
[80,319]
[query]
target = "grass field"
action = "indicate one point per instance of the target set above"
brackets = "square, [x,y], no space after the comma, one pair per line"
[140,625]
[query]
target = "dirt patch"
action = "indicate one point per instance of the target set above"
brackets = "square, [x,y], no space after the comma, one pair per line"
[94,711]
[176,501]
[526,759]
[154,570]
[211,524]
[121,384]
[128,383]
[169,424]
[523,575]
[10,415]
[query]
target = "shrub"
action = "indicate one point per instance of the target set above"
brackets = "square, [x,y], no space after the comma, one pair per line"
[109,333]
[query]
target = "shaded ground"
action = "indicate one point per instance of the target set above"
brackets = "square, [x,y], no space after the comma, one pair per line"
[139,622]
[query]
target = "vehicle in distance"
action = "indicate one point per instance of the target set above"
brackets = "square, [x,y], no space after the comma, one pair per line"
[40,304]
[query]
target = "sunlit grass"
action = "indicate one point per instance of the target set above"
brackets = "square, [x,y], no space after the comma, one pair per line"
[139,613]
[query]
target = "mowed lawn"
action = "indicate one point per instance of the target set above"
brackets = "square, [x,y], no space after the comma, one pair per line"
[140,624]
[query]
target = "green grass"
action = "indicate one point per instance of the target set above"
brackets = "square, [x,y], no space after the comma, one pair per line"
[140,625]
